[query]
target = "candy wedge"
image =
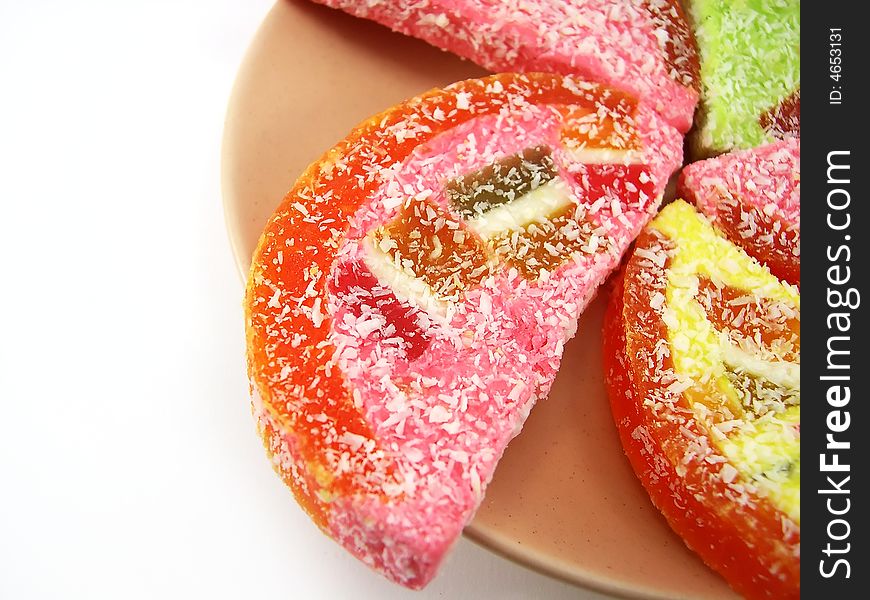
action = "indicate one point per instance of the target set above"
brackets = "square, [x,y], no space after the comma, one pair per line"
[410,298]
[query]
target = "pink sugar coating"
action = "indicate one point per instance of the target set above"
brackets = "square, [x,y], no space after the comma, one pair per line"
[616,43]
[757,178]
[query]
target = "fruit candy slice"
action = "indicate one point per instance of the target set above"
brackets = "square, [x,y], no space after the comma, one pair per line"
[644,47]
[754,197]
[750,73]
[410,298]
[702,351]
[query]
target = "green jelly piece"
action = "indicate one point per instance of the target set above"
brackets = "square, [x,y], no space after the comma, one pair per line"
[750,62]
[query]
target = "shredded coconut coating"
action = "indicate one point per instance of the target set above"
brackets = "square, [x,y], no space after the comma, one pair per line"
[394,351]
[644,47]
[754,197]
[693,318]
[750,73]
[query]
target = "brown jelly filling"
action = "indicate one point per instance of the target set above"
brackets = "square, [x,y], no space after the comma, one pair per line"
[545,244]
[501,182]
[784,119]
[434,247]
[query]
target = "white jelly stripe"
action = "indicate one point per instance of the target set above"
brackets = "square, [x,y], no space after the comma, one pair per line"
[604,156]
[536,205]
[404,284]
[782,373]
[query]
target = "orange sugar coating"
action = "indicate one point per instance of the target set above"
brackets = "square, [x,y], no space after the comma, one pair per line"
[770,325]
[585,127]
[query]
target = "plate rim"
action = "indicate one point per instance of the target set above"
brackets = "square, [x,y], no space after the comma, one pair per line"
[479,534]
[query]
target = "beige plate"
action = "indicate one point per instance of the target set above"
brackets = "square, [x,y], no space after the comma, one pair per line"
[564,499]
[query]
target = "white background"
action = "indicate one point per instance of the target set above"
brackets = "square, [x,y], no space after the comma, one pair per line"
[129,463]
